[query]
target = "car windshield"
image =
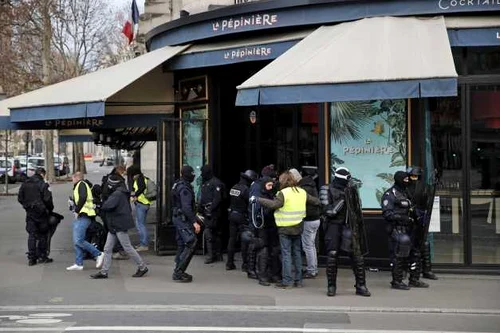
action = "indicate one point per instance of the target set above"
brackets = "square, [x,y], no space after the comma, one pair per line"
[2,164]
[57,159]
[37,162]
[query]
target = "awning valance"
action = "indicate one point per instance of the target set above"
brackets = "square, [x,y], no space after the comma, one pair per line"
[136,86]
[373,58]
[232,51]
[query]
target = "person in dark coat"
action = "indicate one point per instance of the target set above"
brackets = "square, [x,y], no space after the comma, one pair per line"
[36,198]
[118,221]
[238,217]
[210,206]
[397,211]
[186,222]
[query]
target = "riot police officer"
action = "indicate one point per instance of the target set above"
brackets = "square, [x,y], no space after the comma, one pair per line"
[36,198]
[210,207]
[344,229]
[238,217]
[397,211]
[421,195]
[186,222]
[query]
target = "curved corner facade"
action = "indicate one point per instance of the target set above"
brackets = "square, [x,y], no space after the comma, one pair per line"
[372,86]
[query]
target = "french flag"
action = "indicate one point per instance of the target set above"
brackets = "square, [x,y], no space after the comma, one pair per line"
[129,27]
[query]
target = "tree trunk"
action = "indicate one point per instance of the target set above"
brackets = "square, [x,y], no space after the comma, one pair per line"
[46,44]
[79,158]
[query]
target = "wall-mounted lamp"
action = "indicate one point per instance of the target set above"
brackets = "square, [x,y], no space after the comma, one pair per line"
[253,117]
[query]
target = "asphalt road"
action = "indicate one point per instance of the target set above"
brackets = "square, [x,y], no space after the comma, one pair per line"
[187,319]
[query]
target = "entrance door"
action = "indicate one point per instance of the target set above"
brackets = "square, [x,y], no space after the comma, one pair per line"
[180,141]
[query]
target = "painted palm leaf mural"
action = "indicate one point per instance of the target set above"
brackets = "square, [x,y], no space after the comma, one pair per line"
[369,138]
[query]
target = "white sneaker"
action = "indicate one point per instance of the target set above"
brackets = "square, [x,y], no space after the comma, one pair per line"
[99,260]
[142,248]
[75,267]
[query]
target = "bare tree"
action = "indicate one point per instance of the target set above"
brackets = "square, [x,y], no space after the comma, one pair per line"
[47,41]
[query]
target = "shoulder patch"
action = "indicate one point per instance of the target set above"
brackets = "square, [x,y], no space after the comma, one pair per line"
[385,202]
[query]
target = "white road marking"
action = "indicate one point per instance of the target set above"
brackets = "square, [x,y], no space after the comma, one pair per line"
[55,315]
[39,321]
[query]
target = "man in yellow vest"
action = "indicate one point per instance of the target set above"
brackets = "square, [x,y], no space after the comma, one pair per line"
[141,207]
[290,210]
[83,208]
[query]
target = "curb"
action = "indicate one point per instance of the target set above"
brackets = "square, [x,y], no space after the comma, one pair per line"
[245,308]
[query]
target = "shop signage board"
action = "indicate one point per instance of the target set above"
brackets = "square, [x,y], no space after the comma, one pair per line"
[315,15]
[370,139]
[231,55]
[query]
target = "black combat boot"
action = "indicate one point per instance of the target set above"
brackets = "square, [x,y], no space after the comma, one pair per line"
[358,267]
[426,263]
[331,273]
[251,274]
[262,264]
[397,275]
[415,268]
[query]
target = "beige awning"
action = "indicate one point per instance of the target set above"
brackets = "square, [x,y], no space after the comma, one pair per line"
[372,58]
[135,86]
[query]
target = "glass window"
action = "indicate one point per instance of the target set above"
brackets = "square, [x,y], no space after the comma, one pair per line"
[369,138]
[483,60]
[458,58]
[2,164]
[446,230]
[485,174]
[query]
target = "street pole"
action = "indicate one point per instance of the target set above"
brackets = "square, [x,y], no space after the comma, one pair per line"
[6,174]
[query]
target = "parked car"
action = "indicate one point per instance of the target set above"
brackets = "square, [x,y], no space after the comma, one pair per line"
[108,161]
[9,168]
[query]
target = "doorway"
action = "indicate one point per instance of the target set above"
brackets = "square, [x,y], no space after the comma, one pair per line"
[253,137]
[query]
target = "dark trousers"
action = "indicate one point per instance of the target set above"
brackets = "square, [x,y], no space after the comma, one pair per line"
[267,246]
[37,239]
[212,236]
[186,245]
[237,222]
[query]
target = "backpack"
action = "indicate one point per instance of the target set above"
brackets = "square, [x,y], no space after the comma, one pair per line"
[151,190]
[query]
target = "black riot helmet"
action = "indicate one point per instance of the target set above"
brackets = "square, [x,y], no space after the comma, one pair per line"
[249,175]
[414,172]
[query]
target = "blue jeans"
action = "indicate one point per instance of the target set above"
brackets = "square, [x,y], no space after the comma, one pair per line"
[290,247]
[309,245]
[80,226]
[141,211]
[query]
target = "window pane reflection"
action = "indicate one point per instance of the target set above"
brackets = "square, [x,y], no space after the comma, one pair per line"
[446,138]
[485,174]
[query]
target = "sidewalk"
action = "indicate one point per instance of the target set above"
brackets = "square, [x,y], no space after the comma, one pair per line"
[52,285]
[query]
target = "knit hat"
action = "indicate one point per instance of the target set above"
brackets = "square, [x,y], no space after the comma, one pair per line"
[268,171]
[295,174]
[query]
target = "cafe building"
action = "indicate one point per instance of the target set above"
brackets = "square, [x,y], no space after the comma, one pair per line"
[374,86]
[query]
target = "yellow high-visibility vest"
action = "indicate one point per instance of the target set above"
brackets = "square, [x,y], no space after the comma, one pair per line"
[88,207]
[294,209]
[142,198]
